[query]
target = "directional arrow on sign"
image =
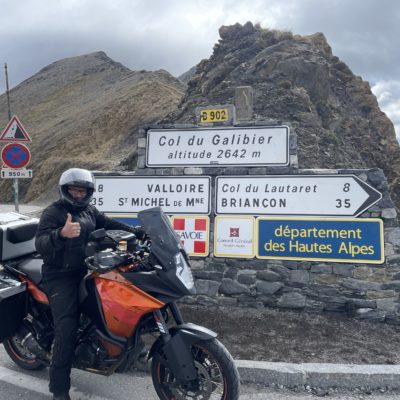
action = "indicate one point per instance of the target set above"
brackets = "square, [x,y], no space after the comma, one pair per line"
[308,195]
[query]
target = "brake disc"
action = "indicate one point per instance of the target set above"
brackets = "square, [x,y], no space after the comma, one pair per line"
[205,386]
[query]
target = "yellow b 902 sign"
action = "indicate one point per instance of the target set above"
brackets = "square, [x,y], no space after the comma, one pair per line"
[214,115]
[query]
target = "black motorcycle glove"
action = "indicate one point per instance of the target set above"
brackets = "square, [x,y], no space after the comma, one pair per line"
[140,234]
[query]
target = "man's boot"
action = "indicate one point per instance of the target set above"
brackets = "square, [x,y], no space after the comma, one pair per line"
[63,396]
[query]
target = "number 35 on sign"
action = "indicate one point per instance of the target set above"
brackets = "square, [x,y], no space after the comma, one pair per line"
[16,173]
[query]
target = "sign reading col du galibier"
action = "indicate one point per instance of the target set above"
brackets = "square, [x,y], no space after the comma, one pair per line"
[131,194]
[263,145]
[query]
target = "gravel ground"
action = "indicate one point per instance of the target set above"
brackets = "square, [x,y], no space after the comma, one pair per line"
[297,337]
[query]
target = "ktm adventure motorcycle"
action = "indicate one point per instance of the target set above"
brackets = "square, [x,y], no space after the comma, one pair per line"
[129,292]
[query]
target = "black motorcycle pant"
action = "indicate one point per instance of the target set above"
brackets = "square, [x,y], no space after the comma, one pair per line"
[62,292]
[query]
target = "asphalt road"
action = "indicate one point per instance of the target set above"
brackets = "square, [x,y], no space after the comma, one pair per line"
[23,209]
[17,384]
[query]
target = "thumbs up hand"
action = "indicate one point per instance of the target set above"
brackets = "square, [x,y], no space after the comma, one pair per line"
[70,229]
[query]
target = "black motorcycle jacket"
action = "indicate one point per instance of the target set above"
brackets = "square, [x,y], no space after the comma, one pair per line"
[63,254]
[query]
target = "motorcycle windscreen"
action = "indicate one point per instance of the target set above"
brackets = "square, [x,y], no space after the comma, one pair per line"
[165,243]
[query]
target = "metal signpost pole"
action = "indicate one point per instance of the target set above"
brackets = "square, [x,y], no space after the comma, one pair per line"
[15,181]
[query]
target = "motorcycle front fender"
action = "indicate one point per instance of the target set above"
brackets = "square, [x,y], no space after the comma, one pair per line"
[190,333]
[177,349]
[193,333]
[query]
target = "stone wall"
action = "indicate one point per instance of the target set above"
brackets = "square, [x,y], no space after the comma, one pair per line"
[367,291]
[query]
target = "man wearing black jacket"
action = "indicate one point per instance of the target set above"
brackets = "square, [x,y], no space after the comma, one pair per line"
[61,239]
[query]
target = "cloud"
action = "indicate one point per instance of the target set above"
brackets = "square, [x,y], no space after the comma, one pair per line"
[173,35]
[388,95]
[176,34]
[361,32]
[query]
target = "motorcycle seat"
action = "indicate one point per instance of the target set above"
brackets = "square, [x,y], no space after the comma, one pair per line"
[33,268]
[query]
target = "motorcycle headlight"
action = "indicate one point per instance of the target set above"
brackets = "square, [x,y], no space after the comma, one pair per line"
[183,271]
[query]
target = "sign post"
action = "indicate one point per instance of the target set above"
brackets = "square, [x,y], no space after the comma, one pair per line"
[15,183]
[15,156]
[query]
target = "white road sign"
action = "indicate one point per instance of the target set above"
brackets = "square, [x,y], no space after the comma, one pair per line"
[193,232]
[8,173]
[308,195]
[234,236]
[15,132]
[131,194]
[263,145]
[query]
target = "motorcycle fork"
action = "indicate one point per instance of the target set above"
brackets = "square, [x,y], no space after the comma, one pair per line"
[176,313]
[160,321]
[162,325]
[176,350]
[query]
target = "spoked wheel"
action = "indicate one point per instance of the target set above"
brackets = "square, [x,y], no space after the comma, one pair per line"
[218,378]
[20,355]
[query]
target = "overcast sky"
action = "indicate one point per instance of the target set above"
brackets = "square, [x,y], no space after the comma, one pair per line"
[176,34]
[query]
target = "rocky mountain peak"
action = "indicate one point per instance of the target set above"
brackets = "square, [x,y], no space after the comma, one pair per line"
[85,112]
[298,81]
[84,64]
[232,32]
[318,40]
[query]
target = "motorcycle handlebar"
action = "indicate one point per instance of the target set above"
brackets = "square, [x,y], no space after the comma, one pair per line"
[145,244]
[89,262]
[135,256]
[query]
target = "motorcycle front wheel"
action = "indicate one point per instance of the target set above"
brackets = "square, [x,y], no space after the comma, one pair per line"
[20,355]
[218,377]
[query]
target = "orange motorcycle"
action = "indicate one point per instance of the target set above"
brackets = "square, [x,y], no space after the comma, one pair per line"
[129,292]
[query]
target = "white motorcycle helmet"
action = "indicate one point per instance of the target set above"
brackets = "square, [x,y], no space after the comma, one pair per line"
[80,178]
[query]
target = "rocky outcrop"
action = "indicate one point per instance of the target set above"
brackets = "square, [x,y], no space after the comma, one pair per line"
[297,80]
[85,111]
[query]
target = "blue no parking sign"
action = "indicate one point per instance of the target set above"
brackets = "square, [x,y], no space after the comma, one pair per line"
[15,155]
[356,240]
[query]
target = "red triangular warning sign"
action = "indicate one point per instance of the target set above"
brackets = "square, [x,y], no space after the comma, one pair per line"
[15,132]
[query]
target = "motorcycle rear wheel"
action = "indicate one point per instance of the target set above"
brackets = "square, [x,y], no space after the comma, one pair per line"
[218,375]
[21,356]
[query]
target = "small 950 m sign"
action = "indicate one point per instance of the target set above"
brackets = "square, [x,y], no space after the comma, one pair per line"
[9,173]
